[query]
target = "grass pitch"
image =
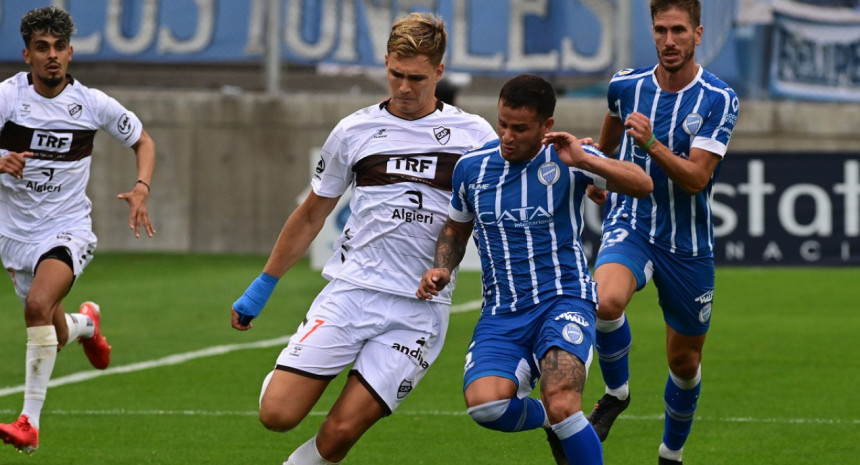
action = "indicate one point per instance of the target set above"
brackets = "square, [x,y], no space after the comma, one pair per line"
[780,373]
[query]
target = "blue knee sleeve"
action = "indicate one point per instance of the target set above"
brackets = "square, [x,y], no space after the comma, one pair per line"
[509,415]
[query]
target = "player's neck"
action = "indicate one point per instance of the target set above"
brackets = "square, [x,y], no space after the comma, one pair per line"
[49,89]
[675,81]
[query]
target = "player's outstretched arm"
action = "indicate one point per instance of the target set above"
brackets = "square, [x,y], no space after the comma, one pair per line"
[450,249]
[300,229]
[144,150]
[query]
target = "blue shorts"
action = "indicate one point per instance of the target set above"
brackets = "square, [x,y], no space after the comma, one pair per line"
[685,285]
[510,345]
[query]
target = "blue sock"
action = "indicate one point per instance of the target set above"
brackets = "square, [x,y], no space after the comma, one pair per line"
[612,350]
[680,409]
[579,441]
[510,415]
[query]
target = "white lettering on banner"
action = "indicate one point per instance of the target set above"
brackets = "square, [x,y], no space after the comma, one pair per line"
[350,32]
[822,223]
[145,34]
[460,56]
[756,189]
[572,60]
[850,189]
[517,56]
[326,39]
[168,43]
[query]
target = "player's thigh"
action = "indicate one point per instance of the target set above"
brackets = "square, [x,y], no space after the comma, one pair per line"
[355,410]
[289,397]
[616,285]
[394,361]
[502,347]
[685,287]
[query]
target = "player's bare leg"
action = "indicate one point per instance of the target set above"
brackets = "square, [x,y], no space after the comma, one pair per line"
[288,398]
[354,412]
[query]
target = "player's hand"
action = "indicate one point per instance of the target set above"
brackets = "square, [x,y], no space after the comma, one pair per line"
[569,148]
[139,215]
[639,128]
[13,163]
[239,321]
[433,281]
[251,303]
[596,194]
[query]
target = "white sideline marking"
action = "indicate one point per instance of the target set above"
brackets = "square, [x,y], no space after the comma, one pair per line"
[429,413]
[187,356]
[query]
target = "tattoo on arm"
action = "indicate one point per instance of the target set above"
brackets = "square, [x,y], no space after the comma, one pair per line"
[450,247]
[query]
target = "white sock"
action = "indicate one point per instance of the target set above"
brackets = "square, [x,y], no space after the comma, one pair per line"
[307,454]
[41,356]
[79,325]
[620,393]
[670,454]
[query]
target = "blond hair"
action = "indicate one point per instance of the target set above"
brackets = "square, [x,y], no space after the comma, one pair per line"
[419,34]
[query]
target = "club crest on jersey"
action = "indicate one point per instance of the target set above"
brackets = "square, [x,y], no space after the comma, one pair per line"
[549,173]
[573,333]
[692,123]
[404,389]
[75,110]
[443,134]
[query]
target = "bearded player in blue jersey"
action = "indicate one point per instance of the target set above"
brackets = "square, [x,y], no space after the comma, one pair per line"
[675,121]
[522,196]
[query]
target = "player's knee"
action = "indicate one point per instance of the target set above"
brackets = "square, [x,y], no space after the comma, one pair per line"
[277,420]
[488,414]
[611,307]
[685,366]
[37,310]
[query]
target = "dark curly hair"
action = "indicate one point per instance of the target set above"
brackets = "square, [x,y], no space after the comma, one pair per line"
[47,20]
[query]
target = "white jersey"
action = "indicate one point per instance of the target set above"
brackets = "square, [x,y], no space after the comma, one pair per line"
[400,172]
[59,132]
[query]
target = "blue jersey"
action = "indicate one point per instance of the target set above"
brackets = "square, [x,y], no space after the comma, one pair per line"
[527,218]
[701,115]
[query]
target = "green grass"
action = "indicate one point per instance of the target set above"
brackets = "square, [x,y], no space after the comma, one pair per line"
[780,374]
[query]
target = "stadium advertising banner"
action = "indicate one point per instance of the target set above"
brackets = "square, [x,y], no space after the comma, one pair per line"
[778,209]
[484,35]
[815,52]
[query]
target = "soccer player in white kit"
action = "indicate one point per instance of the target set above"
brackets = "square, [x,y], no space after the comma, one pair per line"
[398,157]
[48,122]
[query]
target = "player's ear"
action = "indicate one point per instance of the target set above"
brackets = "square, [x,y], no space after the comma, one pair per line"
[548,124]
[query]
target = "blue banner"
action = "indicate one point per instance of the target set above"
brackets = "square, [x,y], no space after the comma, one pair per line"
[815,53]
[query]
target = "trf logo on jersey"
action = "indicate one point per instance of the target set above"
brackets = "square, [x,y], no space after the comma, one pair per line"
[414,166]
[443,134]
[49,141]
[75,110]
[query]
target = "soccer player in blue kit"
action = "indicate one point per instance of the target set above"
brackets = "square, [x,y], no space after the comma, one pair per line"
[674,120]
[522,196]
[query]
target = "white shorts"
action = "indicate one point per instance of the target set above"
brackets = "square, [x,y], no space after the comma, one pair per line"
[391,340]
[20,258]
